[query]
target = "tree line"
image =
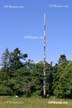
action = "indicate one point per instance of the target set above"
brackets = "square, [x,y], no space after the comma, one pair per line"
[21,76]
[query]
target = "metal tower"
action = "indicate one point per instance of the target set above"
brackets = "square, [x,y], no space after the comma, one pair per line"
[44,62]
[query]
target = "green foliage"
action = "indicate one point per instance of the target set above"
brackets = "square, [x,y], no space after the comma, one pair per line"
[19,76]
[49,79]
[64,87]
[24,80]
[62,60]
[37,77]
[15,60]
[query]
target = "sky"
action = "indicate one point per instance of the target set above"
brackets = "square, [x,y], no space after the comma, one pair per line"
[23,18]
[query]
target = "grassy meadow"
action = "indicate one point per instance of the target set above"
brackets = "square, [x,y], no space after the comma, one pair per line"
[12,102]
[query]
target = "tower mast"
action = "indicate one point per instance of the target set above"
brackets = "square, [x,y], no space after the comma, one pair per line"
[44,62]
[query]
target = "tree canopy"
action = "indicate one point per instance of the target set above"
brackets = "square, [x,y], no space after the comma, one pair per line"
[21,76]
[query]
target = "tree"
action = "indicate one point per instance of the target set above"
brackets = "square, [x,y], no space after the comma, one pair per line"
[62,59]
[64,86]
[16,57]
[25,84]
[58,71]
[49,79]
[37,76]
[11,62]
[6,62]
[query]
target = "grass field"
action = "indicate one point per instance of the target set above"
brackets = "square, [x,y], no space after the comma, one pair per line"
[12,102]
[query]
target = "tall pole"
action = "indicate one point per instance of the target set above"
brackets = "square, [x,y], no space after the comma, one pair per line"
[44,62]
